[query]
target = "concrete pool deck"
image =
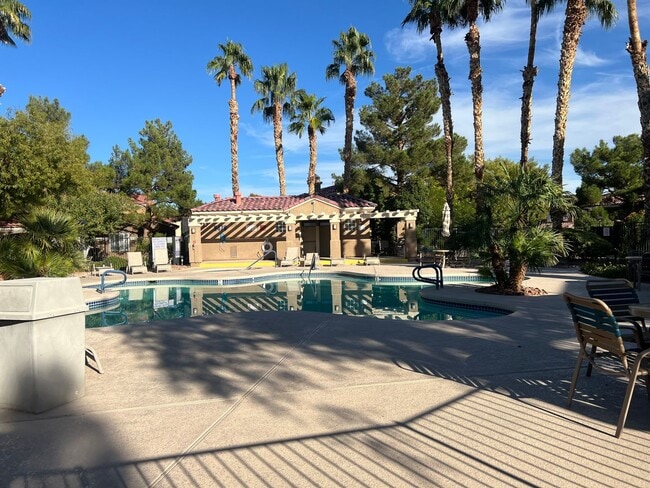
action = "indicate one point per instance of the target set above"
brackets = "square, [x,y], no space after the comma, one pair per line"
[303,399]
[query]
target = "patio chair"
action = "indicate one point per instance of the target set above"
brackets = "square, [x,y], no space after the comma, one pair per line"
[597,328]
[134,263]
[619,294]
[161,260]
[291,258]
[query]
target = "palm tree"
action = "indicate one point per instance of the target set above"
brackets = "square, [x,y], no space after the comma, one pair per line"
[469,11]
[637,49]
[222,67]
[311,114]
[575,17]
[352,51]
[13,15]
[277,87]
[47,247]
[511,232]
[430,13]
[537,9]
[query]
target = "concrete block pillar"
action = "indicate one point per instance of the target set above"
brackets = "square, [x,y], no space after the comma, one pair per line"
[194,245]
[410,240]
[335,239]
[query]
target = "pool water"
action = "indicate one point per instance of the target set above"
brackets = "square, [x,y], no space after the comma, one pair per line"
[337,296]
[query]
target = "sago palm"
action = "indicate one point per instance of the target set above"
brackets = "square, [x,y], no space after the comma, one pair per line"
[309,113]
[277,88]
[352,57]
[222,67]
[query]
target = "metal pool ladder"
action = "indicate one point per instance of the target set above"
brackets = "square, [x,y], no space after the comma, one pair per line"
[438,280]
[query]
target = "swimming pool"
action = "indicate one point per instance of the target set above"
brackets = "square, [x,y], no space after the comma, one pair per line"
[333,295]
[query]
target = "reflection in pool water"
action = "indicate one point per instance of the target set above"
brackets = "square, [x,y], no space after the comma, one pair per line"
[337,296]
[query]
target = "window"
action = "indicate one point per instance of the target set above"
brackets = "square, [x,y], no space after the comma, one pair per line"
[280,227]
[120,242]
[350,225]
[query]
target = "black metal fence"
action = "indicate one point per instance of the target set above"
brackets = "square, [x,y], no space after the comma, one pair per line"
[626,239]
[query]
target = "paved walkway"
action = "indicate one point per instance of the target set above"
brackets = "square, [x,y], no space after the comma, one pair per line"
[305,399]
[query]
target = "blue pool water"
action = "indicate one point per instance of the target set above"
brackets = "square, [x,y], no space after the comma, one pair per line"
[337,296]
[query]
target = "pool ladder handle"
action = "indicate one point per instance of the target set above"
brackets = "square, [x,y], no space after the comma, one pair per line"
[438,280]
[103,285]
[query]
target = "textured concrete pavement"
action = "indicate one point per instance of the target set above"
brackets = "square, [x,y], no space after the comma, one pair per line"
[308,399]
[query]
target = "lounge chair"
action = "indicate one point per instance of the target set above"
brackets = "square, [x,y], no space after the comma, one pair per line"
[291,258]
[134,263]
[161,260]
[597,328]
[619,294]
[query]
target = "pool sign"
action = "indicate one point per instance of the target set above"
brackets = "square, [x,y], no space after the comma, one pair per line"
[158,243]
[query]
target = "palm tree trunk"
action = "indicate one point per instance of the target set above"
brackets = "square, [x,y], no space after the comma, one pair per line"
[279,154]
[529,73]
[516,276]
[444,87]
[637,49]
[350,95]
[234,159]
[234,130]
[473,41]
[575,17]
[311,175]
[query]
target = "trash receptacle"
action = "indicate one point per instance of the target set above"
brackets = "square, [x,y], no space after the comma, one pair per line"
[42,343]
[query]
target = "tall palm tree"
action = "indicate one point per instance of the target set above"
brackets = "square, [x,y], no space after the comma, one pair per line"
[430,14]
[537,9]
[278,88]
[222,67]
[13,15]
[309,112]
[637,49]
[576,15]
[469,12]
[352,52]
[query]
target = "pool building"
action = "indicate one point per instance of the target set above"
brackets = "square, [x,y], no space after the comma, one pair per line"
[334,225]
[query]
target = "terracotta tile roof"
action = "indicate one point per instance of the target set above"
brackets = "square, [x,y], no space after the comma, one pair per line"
[252,204]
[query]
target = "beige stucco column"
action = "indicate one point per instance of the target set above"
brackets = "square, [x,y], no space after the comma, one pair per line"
[335,239]
[290,239]
[194,245]
[410,240]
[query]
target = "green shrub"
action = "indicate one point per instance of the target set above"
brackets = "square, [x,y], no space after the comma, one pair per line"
[116,262]
[585,244]
[605,270]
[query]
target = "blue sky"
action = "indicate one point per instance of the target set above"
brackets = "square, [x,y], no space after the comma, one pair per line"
[114,65]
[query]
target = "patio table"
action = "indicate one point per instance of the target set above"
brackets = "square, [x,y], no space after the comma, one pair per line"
[641,310]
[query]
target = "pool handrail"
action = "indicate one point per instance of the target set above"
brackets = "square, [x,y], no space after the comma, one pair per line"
[103,285]
[437,281]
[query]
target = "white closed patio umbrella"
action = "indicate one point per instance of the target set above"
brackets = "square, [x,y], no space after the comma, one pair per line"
[446,220]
